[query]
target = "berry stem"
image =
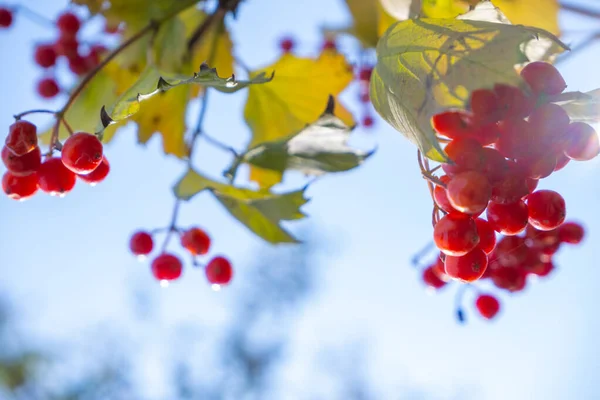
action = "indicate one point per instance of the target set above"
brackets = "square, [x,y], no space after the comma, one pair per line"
[580,10]
[37,111]
[172,225]
[66,124]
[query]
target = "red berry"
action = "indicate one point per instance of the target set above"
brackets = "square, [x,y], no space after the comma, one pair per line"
[329,44]
[538,239]
[95,55]
[82,153]
[469,192]
[487,235]
[582,142]
[54,178]
[219,271]
[287,45]
[543,78]
[549,124]
[508,219]
[513,102]
[509,278]
[19,187]
[495,166]
[516,139]
[571,232]
[22,137]
[538,167]
[66,46]
[542,269]
[23,165]
[364,74]
[456,234]
[45,55]
[487,305]
[441,196]
[48,88]
[438,267]
[486,134]
[368,121]
[68,24]
[511,251]
[364,97]
[111,29]
[485,106]
[561,161]
[547,209]
[167,267]
[196,241]
[6,18]
[466,154]
[431,279]
[79,65]
[453,124]
[97,175]
[468,267]
[141,243]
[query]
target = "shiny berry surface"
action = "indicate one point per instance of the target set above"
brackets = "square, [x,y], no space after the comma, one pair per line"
[196,241]
[48,88]
[141,243]
[487,235]
[19,187]
[98,174]
[487,306]
[54,178]
[167,267]
[22,137]
[82,153]
[45,55]
[456,234]
[508,219]
[547,209]
[467,268]
[219,271]
[469,192]
[26,164]
[543,77]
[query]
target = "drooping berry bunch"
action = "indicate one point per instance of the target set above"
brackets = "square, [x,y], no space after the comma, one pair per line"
[81,157]
[500,148]
[167,267]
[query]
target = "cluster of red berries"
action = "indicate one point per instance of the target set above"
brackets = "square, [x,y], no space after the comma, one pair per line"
[167,267]
[81,157]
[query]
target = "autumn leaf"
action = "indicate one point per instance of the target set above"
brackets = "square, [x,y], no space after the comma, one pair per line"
[296,96]
[539,13]
[582,107]
[260,211]
[428,65]
[443,8]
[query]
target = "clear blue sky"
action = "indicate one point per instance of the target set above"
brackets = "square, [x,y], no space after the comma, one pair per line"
[66,264]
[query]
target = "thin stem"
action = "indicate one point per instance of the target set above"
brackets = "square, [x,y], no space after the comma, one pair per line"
[580,10]
[66,124]
[34,16]
[38,111]
[172,225]
[219,144]
[203,28]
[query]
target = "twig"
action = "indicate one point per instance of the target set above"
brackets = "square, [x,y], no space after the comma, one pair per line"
[580,10]
[172,225]
[38,111]
[66,124]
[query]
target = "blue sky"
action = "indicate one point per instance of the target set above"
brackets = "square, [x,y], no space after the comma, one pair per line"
[65,261]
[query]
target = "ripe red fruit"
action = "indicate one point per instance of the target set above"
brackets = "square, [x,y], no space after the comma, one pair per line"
[538,167]
[68,24]
[364,74]
[166,267]
[542,269]
[511,251]
[549,124]
[538,239]
[48,88]
[19,187]
[516,139]
[485,106]
[141,243]
[495,167]
[509,278]
[431,279]
[45,55]
[467,155]
[543,78]
[54,178]
[510,190]
[487,235]
[23,165]
[547,209]
[582,142]
[561,161]
[78,65]
[571,232]
[82,153]
[368,121]
[22,137]
[196,241]
[513,102]
[441,196]
[453,124]
[287,45]
[66,46]
[97,175]
[329,44]
[6,17]
[469,192]
[468,267]
[508,219]
[456,234]
[487,305]
[219,271]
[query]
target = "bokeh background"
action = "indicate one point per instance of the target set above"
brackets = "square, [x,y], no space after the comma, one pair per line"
[343,316]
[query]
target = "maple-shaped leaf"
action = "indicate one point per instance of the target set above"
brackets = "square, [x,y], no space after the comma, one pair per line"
[429,65]
[260,211]
[294,98]
[318,148]
[582,107]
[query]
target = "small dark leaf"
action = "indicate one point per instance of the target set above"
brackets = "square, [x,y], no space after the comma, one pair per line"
[105,119]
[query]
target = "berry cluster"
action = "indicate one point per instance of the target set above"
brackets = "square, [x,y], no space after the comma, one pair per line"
[81,157]
[499,149]
[167,267]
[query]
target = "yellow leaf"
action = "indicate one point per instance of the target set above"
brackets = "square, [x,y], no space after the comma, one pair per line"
[385,20]
[539,13]
[443,8]
[365,17]
[296,97]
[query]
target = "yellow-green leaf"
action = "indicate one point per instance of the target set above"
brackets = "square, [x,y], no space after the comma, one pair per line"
[583,107]
[428,65]
[260,211]
[539,13]
[442,8]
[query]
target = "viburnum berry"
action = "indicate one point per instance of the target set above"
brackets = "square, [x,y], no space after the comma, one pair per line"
[141,243]
[571,232]
[364,74]
[542,269]
[438,267]
[513,102]
[538,167]
[453,124]
[22,137]
[495,167]
[456,234]
[509,278]
[78,65]
[54,178]
[485,105]
[287,44]
[487,235]
[508,219]
[511,251]
[364,96]
[431,279]
[543,78]
[561,161]
[98,174]
[515,139]
[68,24]
[538,239]
[82,152]
[468,267]
[23,165]
[582,142]
[440,195]
[547,209]
[48,88]
[466,155]
[549,124]
[368,121]
[219,271]
[45,55]
[196,241]
[329,44]
[469,192]
[19,187]
[513,187]
[66,46]
[167,267]
[6,17]
[487,305]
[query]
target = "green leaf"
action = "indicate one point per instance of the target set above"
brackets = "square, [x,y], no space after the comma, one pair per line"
[582,107]
[318,148]
[260,211]
[152,81]
[429,65]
